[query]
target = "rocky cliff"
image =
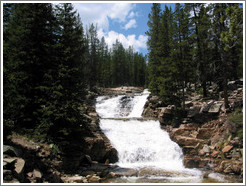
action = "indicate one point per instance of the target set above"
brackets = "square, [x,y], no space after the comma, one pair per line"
[210,136]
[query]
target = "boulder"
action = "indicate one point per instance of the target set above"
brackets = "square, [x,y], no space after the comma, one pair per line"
[193,111]
[205,107]
[37,175]
[187,141]
[215,108]
[19,168]
[112,155]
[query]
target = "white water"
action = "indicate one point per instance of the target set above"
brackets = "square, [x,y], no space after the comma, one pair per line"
[140,144]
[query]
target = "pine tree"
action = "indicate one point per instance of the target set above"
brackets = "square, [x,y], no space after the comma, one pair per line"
[153,45]
[27,53]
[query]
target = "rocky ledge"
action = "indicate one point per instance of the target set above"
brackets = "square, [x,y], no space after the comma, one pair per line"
[124,90]
[210,139]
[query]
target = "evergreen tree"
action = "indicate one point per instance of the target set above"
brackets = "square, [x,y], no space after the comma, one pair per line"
[153,45]
[28,50]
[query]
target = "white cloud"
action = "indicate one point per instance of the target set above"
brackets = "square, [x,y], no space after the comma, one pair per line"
[130,40]
[131,15]
[131,24]
[99,13]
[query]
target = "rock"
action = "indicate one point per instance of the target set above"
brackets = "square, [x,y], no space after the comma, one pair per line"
[236,154]
[228,170]
[232,85]
[7,175]
[74,179]
[187,141]
[9,160]
[204,133]
[87,159]
[201,152]
[119,172]
[112,155]
[55,177]
[205,108]
[93,179]
[11,151]
[206,149]
[111,175]
[154,99]
[19,168]
[215,108]
[237,168]
[193,111]
[215,154]
[188,104]
[37,174]
[87,172]
[227,148]
[98,167]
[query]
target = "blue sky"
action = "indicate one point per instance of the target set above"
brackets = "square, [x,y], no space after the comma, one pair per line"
[126,22]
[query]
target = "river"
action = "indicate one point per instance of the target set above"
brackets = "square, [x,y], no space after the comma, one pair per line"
[143,146]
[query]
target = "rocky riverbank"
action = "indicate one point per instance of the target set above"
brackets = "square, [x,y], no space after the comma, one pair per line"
[210,136]
[86,159]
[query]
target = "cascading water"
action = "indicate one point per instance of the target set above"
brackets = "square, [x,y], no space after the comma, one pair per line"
[142,144]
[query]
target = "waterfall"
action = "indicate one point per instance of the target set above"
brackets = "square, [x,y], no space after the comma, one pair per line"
[140,143]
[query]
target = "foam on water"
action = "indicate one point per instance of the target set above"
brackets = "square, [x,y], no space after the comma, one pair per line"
[140,144]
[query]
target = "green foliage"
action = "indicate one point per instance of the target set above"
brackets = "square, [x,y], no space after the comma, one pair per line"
[237,119]
[193,44]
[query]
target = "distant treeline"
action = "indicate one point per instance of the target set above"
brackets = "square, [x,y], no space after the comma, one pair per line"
[194,43]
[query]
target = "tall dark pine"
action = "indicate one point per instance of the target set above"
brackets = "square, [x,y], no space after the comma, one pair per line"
[93,64]
[153,45]
[28,40]
[69,90]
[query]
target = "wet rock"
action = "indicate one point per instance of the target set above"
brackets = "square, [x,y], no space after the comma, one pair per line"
[74,179]
[125,172]
[112,155]
[111,175]
[87,172]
